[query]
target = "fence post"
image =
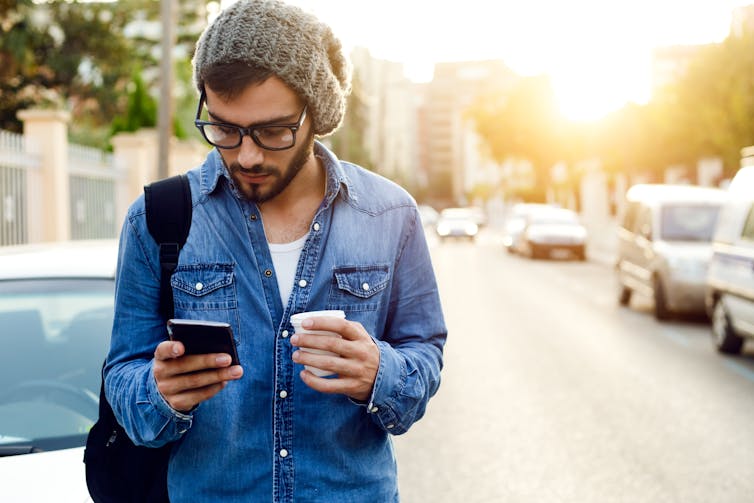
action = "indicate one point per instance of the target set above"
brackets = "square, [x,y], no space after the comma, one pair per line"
[48,194]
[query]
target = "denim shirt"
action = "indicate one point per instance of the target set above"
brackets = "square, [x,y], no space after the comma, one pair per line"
[268,436]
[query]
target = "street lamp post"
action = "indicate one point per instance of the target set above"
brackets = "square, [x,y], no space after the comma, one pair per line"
[165,111]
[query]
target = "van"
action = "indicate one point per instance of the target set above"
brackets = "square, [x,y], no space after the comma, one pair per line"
[730,280]
[665,244]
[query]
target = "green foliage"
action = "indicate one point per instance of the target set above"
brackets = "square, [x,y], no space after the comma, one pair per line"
[522,122]
[76,55]
[141,111]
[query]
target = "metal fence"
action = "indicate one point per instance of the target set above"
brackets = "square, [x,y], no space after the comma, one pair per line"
[93,185]
[16,161]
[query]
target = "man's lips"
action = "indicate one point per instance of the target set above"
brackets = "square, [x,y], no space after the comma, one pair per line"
[253,177]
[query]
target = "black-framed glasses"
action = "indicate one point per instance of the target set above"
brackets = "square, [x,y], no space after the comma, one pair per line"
[267,136]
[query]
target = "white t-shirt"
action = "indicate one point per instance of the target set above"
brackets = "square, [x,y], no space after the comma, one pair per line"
[285,259]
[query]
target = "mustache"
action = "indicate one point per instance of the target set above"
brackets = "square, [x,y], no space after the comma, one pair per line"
[257,169]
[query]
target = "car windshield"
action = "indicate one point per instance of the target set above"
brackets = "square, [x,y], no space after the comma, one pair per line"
[688,222]
[55,335]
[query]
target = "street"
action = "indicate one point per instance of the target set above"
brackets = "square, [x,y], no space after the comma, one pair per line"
[553,393]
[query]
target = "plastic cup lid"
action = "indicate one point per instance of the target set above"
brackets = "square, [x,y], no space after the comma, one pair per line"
[299,317]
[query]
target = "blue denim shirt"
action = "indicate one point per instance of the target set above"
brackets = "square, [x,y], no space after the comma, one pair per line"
[268,436]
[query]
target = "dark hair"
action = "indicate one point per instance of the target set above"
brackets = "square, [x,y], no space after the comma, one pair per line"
[228,80]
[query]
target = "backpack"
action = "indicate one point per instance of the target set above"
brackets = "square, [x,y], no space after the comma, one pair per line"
[116,469]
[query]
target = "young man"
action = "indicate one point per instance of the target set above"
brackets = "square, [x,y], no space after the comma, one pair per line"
[279,226]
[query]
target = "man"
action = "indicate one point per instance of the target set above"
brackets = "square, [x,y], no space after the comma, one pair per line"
[280,226]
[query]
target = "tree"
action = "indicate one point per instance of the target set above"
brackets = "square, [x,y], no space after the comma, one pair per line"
[522,123]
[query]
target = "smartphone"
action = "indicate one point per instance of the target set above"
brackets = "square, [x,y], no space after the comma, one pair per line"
[204,336]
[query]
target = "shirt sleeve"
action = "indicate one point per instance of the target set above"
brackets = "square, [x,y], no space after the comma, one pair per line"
[411,349]
[138,328]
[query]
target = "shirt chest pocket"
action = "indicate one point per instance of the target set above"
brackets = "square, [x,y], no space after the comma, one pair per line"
[358,288]
[204,287]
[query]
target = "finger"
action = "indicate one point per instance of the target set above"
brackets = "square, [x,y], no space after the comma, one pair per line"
[347,386]
[167,350]
[189,382]
[186,401]
[350,330]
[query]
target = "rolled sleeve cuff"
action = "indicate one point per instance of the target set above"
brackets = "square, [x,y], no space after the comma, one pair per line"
[182,422]
[391,377]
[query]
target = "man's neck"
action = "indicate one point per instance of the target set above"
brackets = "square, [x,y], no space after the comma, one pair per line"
[288,216]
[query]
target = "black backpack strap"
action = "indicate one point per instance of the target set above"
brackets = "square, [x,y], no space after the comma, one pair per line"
[168,206]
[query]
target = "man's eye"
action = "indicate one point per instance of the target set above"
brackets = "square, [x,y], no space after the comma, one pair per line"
[273,132]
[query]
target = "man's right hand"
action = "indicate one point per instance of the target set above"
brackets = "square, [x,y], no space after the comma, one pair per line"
[187,380]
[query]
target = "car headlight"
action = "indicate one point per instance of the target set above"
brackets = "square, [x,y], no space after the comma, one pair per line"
[471,229]
[443,230]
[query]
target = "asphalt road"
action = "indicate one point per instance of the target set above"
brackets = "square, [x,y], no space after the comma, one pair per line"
[553,393]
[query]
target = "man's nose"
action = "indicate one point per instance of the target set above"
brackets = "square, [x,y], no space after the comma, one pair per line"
[249,153]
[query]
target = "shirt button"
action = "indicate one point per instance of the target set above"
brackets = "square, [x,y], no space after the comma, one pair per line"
[283,394]
[374,409]
[199,286]
[284,334]
[253,218]
[302,283]
[316,226]
[267,272]
[283,453]
[390,426]
[365,286]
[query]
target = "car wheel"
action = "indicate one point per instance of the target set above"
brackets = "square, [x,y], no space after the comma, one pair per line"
[661,303]
[723,335]
[624,295]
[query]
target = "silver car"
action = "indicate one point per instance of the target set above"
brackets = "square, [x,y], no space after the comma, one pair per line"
[730,281]
[56,312]
[664,245]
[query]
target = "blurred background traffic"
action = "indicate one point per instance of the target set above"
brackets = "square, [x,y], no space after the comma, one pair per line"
[585,177]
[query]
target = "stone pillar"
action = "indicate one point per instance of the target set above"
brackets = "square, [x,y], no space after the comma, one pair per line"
[48,194]
[135,154]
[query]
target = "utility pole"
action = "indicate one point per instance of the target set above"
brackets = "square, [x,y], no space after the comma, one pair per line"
[165,111]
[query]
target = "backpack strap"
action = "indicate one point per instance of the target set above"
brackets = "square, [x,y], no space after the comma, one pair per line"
[168,207]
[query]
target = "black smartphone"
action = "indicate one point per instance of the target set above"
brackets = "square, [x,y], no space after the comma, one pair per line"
[204,336]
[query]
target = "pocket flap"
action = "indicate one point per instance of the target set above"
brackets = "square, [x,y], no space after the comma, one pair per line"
[200,280]
[362,281]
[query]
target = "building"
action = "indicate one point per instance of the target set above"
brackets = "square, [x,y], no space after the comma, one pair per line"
[450,150]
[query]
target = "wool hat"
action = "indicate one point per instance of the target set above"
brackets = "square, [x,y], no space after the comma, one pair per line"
[294,45]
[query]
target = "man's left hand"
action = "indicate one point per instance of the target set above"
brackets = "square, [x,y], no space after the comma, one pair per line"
[356,359]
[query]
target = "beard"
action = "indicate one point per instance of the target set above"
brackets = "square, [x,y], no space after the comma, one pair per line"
[280,178]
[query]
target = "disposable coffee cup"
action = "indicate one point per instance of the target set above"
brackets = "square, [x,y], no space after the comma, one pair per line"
[296,321]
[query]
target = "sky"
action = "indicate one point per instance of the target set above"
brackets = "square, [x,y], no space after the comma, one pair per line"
[597,52]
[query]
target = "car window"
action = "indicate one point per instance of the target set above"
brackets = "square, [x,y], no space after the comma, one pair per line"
[54,336]
[748,230]
[686,222]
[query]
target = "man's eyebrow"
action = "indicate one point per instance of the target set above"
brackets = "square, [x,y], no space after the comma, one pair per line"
[285,119]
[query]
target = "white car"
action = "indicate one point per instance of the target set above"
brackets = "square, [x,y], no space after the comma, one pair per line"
[552,230]
[56,311]
[457,223]
[729,295]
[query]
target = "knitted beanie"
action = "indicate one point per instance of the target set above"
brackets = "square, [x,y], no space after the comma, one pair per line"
[294,45]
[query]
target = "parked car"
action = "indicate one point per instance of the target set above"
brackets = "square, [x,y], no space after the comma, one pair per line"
[457,223]
[515,220]
[730,281]
[550,230]
[56,312]
[665,244]
[428,215]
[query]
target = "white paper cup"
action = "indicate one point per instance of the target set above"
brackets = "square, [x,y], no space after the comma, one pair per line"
[296,321]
